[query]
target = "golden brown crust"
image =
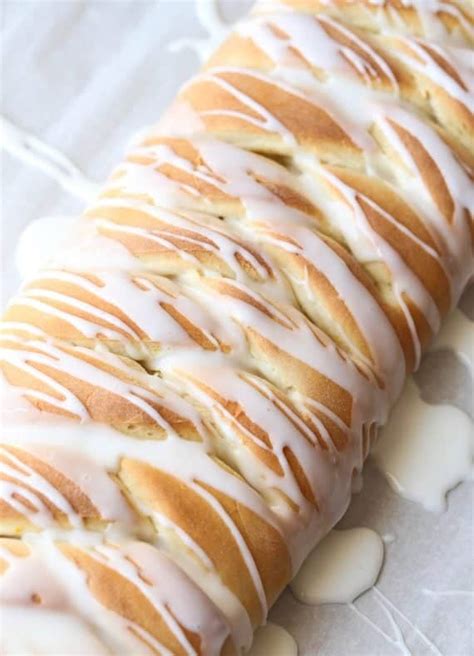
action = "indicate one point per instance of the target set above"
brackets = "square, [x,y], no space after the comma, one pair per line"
[187,509]
[455,16]
[115,592]
[225,116]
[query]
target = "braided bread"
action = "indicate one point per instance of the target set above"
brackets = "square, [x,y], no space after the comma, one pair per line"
[193,383]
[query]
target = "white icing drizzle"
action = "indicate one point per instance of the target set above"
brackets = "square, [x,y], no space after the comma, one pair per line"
[113,558]
[208,15]
[292,333]
[84,248]
[392,613]
[455,237]
[262,408]
[329,96]
[186,461]
[455,233]
[387,17]
[266,120]
[425,450]
[423,62]
[379,333]
[398,641]
[310,346]
[27,477]
[61,585]
[429,10]
[202,235]
[83,471]
[308,36]
[275,640]
[141,300]
[131,385]
[107,446]
[23,631]
[341,568]
[388,538]
[384,600]
[38,241]
[50,161]
[260,403]
[243,547]
[297,84]
[191,609]
[233,172]
[447,593]
[404,279]
[457,334]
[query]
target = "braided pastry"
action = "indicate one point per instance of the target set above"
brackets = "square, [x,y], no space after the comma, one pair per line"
[194,382]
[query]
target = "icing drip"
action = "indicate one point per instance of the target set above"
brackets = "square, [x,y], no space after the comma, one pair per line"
[457,335]
[208,15]
[341,568]
[448,593]
[53,163]
[275,640]
[425,450]
[397,637]
[38,241]
[23,631]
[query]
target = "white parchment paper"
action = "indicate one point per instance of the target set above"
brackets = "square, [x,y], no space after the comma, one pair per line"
[83,77]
